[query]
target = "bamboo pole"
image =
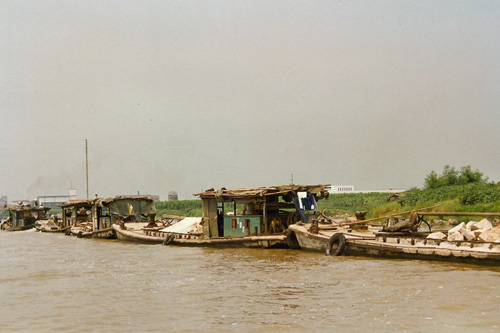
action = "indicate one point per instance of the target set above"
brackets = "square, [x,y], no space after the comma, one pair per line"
[459,214]
[384,217]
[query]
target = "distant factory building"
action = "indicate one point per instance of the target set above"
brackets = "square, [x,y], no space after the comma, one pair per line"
[53,201]
[173,196]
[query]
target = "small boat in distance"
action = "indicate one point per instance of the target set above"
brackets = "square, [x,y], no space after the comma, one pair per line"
[24,216]
[53,224]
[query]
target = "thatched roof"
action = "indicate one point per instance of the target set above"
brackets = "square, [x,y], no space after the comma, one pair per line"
[77,203]
[126,197]
[251,193]
[23,208]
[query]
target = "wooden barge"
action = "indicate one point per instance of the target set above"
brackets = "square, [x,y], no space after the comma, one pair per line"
[410,244]
[77,218]
[24,217]
[249,217]
[94,218]
[130,210]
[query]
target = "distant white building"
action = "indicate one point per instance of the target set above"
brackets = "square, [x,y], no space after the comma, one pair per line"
[342,189]
[53,201]
[338,189]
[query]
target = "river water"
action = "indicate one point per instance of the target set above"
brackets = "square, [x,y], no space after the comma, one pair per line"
[52,282]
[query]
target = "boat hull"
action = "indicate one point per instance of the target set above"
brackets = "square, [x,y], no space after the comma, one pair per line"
[108,233]
[136,235]
[158,237]
[47,229]
[28,227]
[79,233]
[266,242]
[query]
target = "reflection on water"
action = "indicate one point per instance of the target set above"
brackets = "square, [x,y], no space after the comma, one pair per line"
[55,282]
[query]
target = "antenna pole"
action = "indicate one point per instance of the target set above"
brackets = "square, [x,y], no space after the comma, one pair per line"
[87,168]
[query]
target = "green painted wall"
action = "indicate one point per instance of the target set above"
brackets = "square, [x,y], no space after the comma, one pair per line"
[238,229]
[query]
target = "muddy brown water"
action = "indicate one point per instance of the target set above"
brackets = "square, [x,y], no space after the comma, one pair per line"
[52,282]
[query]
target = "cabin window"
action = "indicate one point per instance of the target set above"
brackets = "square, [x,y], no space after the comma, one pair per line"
[247,224]
[233,224]
[104,211]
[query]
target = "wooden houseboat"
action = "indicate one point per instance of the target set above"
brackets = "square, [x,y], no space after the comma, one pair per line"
[255,218]
[77,217]
[24,217]
[411,242]
[130,211]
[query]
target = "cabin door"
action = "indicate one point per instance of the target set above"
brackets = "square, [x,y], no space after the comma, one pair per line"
[220,218]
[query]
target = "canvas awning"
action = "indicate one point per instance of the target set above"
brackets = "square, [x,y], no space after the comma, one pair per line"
[187,225]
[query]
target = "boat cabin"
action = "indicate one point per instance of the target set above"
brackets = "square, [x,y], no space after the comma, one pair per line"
[24,216]
[258,211]
[75,212]
[121,209]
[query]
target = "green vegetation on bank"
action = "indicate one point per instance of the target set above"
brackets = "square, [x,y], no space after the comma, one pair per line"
[455,191]
[451,176]
[180,208]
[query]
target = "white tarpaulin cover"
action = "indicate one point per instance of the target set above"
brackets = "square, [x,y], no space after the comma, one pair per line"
[187,225]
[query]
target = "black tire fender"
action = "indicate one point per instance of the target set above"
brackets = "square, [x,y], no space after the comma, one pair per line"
[291,239]
[168,239]
[339,239]
[80,234]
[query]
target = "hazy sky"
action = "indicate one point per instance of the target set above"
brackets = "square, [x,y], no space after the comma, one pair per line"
[188,95]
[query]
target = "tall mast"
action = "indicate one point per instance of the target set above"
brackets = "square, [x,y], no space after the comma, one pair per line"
[87,168]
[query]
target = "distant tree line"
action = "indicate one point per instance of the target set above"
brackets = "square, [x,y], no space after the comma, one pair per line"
[451,176]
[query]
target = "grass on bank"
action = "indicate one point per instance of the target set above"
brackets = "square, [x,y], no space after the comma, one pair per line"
[481,197]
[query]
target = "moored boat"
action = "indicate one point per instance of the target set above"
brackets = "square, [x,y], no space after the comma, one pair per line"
[77,217]
[253,218]
[409,243]
[24,216]
[53,224]
[132,211]
[134,232]
[147,233]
